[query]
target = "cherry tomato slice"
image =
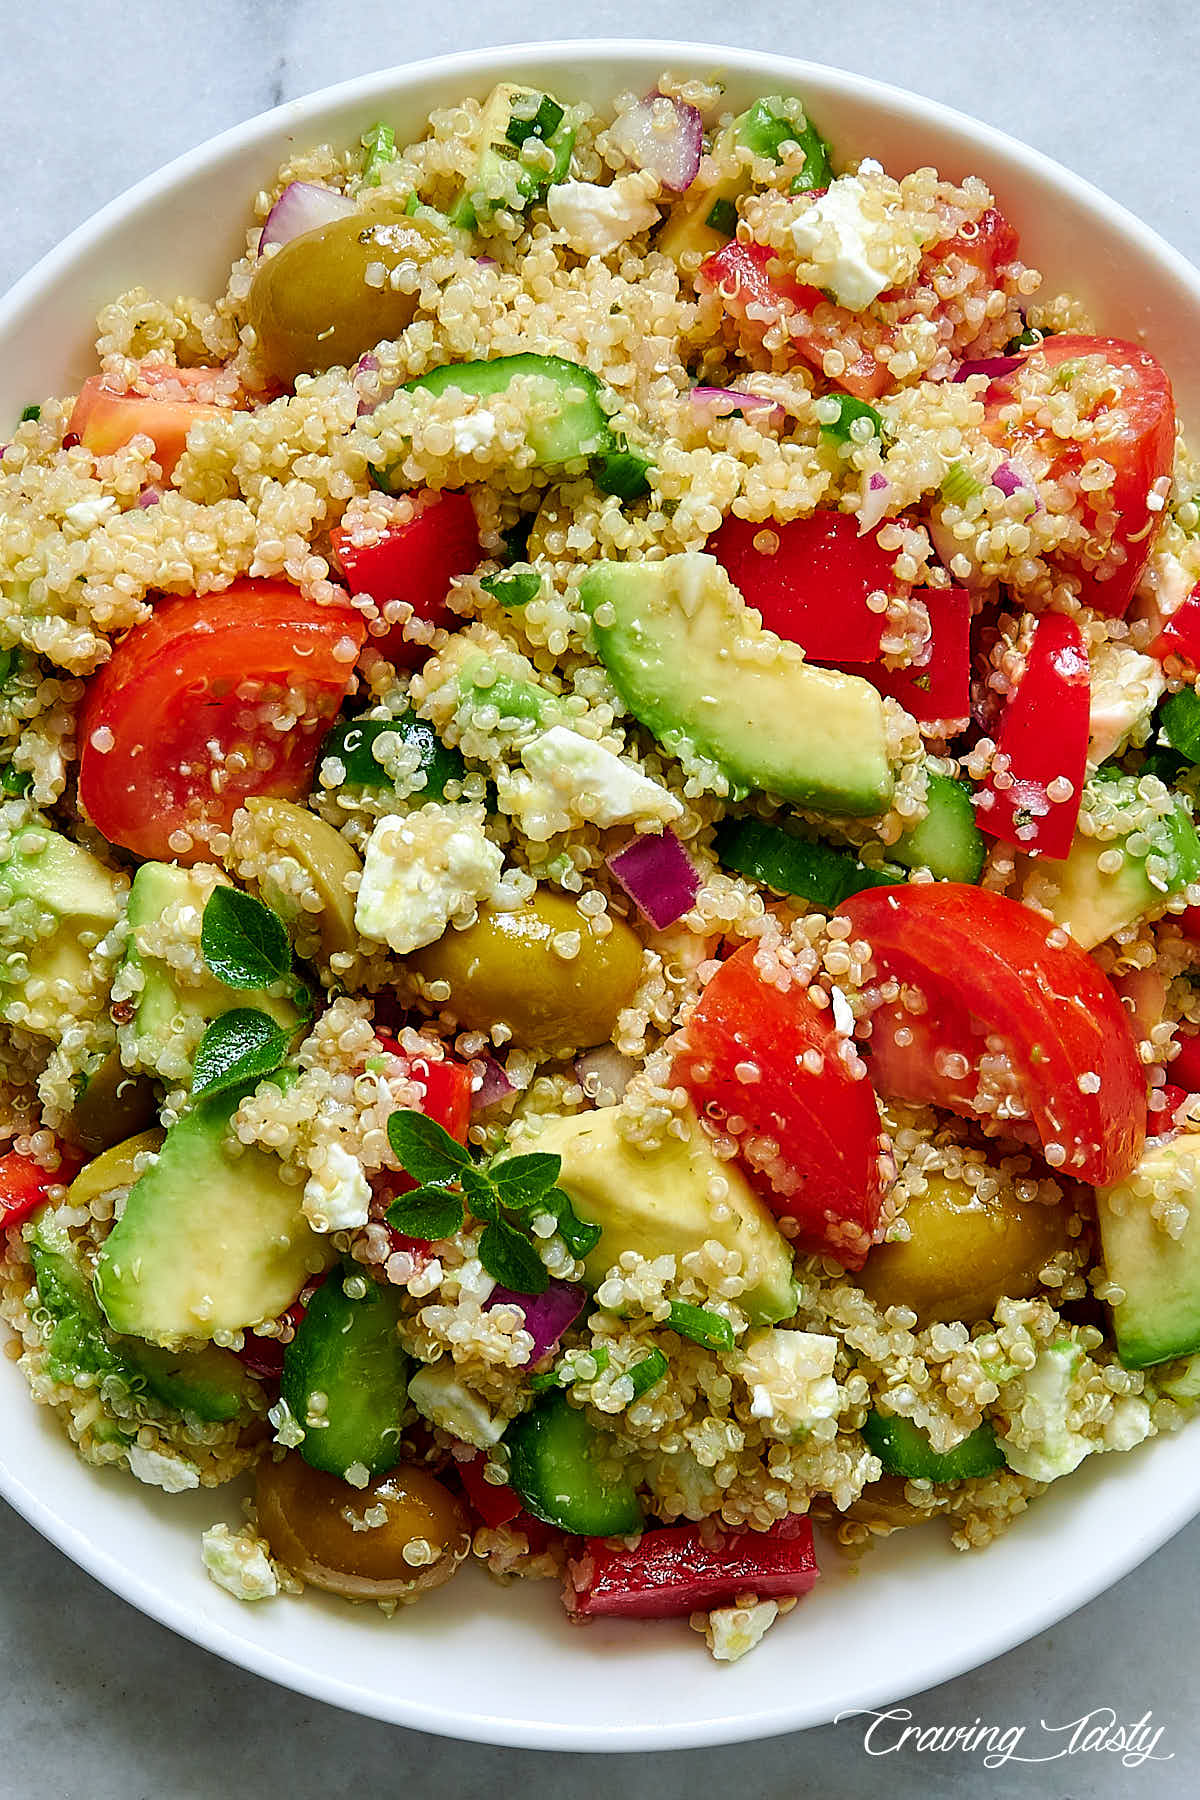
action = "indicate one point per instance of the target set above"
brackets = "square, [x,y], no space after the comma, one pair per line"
[814,588]
[977,954]
[178,727]
[447,1099]
[1044,735]
[1180,636]
[105,418]
[494,1505]
[416,562]
[769,1068]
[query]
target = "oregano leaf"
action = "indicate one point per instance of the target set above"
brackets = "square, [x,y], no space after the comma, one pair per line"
[243,942]
[427,1213]
[239,1046]
[522,1182]
[579,1235]
[511,1259]
[424,1148]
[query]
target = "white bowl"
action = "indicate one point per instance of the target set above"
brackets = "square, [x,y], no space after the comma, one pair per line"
[480,1661]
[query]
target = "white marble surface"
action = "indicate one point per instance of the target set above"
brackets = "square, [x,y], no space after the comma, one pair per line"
[97,1703]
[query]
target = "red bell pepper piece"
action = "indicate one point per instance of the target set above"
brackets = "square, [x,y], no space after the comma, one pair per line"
[937,692]
[813,588]
[756,300]
[447,1085]
[495,1505]
[1184,1069]
[673,1571]
[1044,735]
[415,562]
[1180,636]
[24,1184]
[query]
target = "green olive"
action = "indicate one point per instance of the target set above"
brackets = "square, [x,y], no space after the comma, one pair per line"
[327,861]
[964,1254]
[113,1105]
[310,303]
[417,1544]
[885,1505]
[114,1169]
[506,970]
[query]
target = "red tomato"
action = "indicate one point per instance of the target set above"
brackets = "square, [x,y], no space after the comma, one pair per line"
[1162,1122]
[494,1505]
[263,1356]
[1044,734]
[447,1099]
[105,418]
[175,729]
[813,589]
[1180,636]
[415,562]
[678,1569]
[978,955]
[989,243]
[24,1184]
[1134,432]
[809,1135]
[936,692]
[1184,1069]
[738,275]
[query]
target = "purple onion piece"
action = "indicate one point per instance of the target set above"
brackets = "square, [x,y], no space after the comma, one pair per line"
[721,402]
[302,206]
[547,1316]
[874,503]
[658,875]
[607,1070]
[672,154]
[494,1085]
[991,366]
[149,496]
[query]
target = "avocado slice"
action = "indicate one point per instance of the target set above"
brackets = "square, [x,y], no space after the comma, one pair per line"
[1092,903]
[57,901]
[697,667]
[174,1007]
[208,1241]
[1159,1318]
[660,1202]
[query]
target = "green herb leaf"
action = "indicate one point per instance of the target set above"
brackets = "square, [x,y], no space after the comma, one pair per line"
[647,1373]
[425,1148]
[516,587]
[30,415]
[244,943]
[701,1326]
[723,217]
[380,146]
[481,1195]
[239,1046]
[427,1213]
[577,1234]
[624,471]
[522,1182]
[512,1260]
[1029,339]
[849,409]
[541,1384]
[15,781]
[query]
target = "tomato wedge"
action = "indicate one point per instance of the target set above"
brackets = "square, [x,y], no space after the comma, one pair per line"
[937,691]
[105,418]
[416,562]
[990,243]
[978,955]
[1180,636]
[756,299]
[24,1184]
[495,1506]
[178,727]
[1134,432]
[815,587]
[1044,735]
[681,1569]
[768,1067]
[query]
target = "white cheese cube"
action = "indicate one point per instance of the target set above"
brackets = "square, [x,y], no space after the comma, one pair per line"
[238,1562]
[339,1196]
[595,220]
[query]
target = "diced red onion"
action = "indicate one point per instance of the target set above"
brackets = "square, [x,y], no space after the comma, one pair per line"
[991,366]
[487,262]
[547,1316]
[1013,478]
[149,496]
[672,154]
[723,401]
[658,875]
[302,206]
[874,503]
[366,365]
[494,1085]
[607,1071]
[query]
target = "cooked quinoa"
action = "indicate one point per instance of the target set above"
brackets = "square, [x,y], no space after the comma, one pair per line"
[505,662]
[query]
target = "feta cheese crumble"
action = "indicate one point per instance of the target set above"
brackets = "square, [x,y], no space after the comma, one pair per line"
[441,1398]
[237,1562]
[428,870]
[849,250]
[733,1630]
[568,780]
[790,1377]
[163,1469]
[1126,688]
[338,1196]
[1041,1443]
[595,220]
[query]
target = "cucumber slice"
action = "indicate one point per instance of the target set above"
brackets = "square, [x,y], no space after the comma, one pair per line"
[573,426]
[904,1449]
[792,865]
[567,1475]
[345,1367]
[947,841]
[352,742]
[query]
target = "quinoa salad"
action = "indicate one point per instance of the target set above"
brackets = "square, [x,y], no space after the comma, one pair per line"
[599,900]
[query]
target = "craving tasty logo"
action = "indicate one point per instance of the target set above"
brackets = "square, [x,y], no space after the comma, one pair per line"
[1098,1730]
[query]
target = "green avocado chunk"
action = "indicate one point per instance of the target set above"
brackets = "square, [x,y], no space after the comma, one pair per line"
[57,901]
[208,1241]
[345,1377]
[660,1201]
[567,1475]
[1159,1316]
[697,667]
[904,1449]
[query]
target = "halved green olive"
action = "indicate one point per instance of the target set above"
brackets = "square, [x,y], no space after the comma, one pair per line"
[325,857]
[113,1105]
[114,1169]
[311,303]
[400,1535]
[544,970]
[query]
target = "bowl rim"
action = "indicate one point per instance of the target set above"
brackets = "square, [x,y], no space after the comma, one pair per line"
[110,1568]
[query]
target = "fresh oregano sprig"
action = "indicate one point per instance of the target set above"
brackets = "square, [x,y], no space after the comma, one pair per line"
[504,1193]
[243,942]
[239,1046]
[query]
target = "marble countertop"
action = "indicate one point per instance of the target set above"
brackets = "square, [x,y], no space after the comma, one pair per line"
[98,1703]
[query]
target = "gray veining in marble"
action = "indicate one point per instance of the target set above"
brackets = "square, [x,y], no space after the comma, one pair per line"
[97,1703]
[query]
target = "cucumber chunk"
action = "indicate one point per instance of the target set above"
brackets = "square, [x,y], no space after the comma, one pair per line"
[947,841]
[571,425]
[567,1475]
[345,1377]
[793,865]
[353,742]
[904,1449]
